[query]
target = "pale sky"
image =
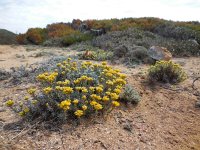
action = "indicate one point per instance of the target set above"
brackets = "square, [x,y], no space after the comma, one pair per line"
[19,15]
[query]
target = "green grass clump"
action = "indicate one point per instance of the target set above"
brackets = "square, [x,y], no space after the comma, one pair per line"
[130,95]
[98,55]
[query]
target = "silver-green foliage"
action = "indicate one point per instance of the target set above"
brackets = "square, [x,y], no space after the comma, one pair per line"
[130,95]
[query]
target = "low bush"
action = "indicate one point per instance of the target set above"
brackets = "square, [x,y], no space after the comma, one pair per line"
[130,95]
[167,72]
[74,38]
[72,90]
[21,39]
[98,55]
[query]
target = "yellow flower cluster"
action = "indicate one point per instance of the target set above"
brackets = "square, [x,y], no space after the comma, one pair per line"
[31,90]
[95,97]
[83,78]
[9,103]
[115,103]
[96,105]
[64,83]
[82,89]
[78,113]
[65,89]
[47,77]
[47,90]
[65,105]
[24,111]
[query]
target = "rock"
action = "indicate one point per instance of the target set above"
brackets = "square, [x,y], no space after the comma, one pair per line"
[120,51]
[159,53]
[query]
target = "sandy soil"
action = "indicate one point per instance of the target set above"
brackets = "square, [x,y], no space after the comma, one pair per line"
[166,118]
[15,56]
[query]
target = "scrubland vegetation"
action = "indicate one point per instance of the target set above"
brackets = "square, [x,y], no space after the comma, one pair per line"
[181,38]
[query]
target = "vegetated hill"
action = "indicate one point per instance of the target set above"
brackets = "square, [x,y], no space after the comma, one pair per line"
[7,37]
[181,38]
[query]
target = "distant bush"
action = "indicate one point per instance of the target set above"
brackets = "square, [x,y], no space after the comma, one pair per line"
[75,38]
[21,39]
[59,30]
[72,90]
[36,35]
[170,30]
[166,72]
[130,95]
[53,42]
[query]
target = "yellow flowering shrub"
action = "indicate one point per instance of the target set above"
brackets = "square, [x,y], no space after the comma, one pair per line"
[73,89]
[167,72]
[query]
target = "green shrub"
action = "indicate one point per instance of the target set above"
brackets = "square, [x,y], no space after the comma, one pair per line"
[74,38]
[130,95]
[72,90]
[167,72]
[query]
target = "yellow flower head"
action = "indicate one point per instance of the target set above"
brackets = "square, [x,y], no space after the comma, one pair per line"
[109,82]
[99,89]
[26,97]
[67,90]
[114,96]
[26,110]
[75,101]
[31,90]
[65,105]
[34,102]
[115,103]
[92,103]
[104,63]
[117,91]
[78,113]
[95,97]
[59,64]
[84,107]
[84,97]
[92,89]
[84,90]
[105,98]
[9,103]
[47,90]
[21,113]
[98,106]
